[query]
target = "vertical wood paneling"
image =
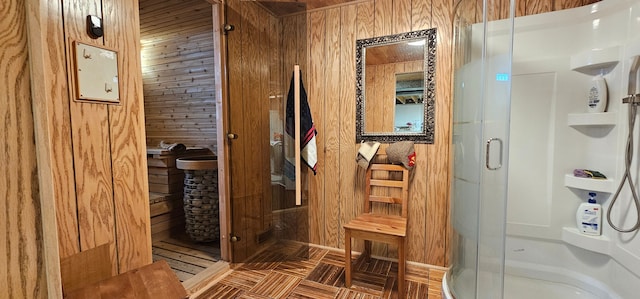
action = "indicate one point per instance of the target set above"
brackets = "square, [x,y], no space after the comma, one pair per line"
[332,127]
[438,175]
[383,17]
[178,72]
[521,7]
[420,15]
[364,26]
[53,139]
[347,115]
[52,116]
[402,16]
[22,252]
[538,6]
[316,93]
[566,4]
[91,145]
[128,146]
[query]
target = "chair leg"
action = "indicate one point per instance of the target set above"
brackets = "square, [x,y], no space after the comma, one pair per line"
[347,258]
[367,251]
[401,268]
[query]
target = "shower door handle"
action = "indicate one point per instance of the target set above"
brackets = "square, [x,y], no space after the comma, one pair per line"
[488,154]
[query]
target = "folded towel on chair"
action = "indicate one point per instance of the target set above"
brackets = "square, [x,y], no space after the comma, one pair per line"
[366,152]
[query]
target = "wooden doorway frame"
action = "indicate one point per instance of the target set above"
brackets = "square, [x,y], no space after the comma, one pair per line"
[222,125]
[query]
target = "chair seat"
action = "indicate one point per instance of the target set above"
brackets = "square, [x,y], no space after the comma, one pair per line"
[379,223]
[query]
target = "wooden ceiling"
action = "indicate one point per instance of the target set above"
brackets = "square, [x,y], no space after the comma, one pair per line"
[287,7]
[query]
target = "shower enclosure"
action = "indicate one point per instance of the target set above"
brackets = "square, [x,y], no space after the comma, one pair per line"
[520,128]
[480,137]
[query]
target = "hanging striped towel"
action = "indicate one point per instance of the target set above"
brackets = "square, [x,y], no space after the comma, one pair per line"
[308,150]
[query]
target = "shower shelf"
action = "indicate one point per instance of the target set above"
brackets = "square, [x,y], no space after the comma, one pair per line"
[588,184]
[595,61]
[599,244]
[592,119]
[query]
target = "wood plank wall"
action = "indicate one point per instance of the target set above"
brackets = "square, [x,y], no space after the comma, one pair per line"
[499,9]
[22,252]
[93,155]
[177,59]
[336,192]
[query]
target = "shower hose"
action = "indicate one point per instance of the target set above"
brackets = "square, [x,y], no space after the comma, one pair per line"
[627,175]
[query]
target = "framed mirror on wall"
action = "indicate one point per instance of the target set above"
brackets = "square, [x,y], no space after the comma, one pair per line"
[395,87]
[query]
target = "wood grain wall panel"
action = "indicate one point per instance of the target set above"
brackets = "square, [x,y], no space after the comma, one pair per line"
[364,26]
[521,8]
[566,4]
[332,116]
[494,10]
[52,116]
[301,47]
[53,138]
[94,189]
[316,93]
[383,17]
[365,19]
[177,71]
[538,6]
[128,145]
[91,144]
[22,252]
[347,115]
[402,16]
[438,175]
[420,15]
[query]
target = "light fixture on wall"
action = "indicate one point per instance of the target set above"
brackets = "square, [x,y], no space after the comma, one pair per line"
[94,27]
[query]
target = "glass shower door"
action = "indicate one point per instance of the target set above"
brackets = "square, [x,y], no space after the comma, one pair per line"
[480,140]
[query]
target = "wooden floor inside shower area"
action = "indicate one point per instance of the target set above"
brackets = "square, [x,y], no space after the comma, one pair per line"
[185,257]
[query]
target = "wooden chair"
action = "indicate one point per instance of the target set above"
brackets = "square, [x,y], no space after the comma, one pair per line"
[378,227]
[85,268]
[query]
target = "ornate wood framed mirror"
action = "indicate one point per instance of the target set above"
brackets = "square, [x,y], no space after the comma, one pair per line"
[395,87]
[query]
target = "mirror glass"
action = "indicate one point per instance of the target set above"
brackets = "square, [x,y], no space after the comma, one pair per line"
[395,87]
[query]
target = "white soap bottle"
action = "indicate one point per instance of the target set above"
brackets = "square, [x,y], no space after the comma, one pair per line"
[589,216]
[597,96]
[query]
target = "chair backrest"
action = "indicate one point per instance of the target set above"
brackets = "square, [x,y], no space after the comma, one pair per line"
[389,181]
[85,268]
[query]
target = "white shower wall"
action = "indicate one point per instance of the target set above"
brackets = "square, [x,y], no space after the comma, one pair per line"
[544,148]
